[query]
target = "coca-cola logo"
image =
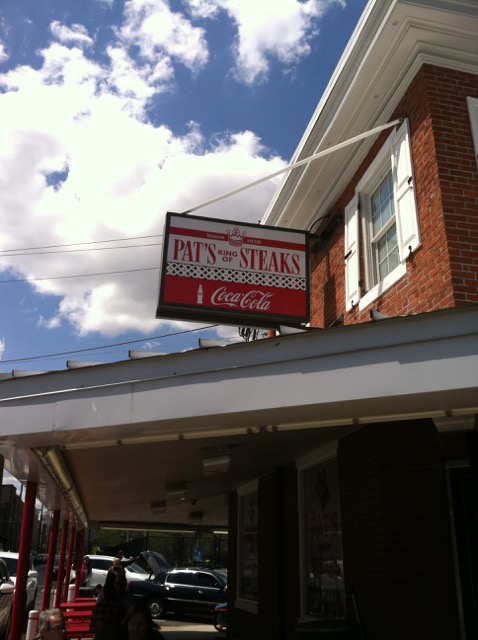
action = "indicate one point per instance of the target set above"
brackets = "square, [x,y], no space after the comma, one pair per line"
[252,300]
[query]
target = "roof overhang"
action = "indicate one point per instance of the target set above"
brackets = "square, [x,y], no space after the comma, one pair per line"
[124,431]
[389,45]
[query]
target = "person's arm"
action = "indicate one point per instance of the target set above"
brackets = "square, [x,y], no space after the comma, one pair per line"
[127,562]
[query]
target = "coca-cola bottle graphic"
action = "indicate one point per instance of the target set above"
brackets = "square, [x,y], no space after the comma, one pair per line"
[199,297]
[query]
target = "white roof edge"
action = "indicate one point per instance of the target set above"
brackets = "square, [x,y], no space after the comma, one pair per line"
[337,342]
[377,18]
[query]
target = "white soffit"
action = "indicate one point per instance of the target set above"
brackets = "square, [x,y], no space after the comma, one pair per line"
[391,42]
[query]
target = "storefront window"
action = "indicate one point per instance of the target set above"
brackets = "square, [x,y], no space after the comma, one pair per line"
[323,541]
[249,545]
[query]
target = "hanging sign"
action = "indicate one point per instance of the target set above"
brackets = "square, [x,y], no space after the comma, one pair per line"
[233,273]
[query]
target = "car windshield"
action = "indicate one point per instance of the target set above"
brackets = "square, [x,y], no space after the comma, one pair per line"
[222,575]
[11,565]
[102,564]
[134,567]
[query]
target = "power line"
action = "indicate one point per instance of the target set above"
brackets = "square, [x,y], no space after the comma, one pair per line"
[27,252]
[115,344]
[79,244]
[81,275]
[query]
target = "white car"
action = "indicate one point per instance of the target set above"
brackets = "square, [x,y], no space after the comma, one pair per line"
[100,566]
[11,560]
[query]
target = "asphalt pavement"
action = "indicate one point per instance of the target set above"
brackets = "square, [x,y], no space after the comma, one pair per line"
[180,630]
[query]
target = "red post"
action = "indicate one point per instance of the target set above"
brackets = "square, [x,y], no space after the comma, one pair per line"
[50,560]
[80,544]
[19,600]
[71,545]
[61,564]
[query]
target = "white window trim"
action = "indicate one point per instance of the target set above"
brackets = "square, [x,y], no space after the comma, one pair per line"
[243,603]
[396,154]
[473,113]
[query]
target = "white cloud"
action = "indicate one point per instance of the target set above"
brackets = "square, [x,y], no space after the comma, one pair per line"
[50,323]
[3,53]
[85,165]
[267,30]
[157,31]
[77,34]
[2,347]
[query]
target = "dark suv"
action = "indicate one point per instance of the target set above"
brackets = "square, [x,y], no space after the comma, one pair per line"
[185,591]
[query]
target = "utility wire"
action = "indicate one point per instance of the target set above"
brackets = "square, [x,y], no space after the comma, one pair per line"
[27,252]
[79,244]
[81,275]
[108,346]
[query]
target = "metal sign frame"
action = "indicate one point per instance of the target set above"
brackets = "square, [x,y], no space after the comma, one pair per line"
[230,272]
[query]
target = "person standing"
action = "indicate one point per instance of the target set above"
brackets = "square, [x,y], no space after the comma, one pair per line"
[85,571]
[108,607]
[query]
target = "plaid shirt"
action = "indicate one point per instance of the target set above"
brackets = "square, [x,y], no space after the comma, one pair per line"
[105,610]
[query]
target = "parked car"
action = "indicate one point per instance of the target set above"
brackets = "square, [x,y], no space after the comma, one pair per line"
[185,591]
[7,589]
[11,560]
[40,558]
[154,562]
[56,566]
[142,569]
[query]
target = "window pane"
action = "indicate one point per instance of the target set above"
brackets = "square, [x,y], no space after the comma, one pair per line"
[249,551]
[387,249]
[323,543]
[383,207]
[206,580]
[180,578]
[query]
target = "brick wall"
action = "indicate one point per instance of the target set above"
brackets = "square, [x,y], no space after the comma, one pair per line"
[396,530]
[458,174]
[444,270]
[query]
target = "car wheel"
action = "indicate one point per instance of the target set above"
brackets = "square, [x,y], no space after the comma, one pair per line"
[156,608]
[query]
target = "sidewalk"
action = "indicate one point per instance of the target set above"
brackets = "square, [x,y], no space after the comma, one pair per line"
[175,630]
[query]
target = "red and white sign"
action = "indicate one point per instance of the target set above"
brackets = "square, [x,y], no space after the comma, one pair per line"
[233,272]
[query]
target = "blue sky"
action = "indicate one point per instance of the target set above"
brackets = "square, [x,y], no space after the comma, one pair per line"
[115,112]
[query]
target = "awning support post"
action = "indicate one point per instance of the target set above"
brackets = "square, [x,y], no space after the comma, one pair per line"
[69,560]
[19,600]
[61,564]
[50,559]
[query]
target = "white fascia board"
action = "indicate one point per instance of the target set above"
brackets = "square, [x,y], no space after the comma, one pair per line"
[346,68]
[390,43]
[417,364]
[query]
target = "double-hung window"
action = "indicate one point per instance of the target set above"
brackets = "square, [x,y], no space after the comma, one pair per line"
[381,223]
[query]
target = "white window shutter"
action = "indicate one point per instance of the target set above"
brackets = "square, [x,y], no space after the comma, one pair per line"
[352,272]
[406,208]
[473,113]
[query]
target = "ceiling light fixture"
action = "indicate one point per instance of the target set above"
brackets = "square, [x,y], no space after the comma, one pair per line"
[215,460]
[176,491]
[446,423]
